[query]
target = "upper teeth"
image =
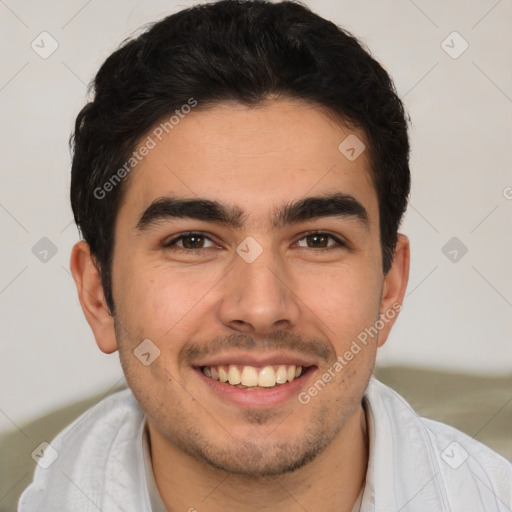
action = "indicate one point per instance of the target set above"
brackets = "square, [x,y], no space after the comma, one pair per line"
[250,376]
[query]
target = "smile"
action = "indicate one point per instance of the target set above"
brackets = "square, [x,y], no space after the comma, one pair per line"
[252,377]
[253,380]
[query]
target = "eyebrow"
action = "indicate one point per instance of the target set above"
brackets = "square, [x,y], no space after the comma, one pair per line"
[310,208]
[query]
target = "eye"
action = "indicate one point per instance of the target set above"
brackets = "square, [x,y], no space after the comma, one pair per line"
[320,240]
[189,242]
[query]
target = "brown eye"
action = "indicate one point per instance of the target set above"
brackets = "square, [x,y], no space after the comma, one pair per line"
[320,241]
[190,242]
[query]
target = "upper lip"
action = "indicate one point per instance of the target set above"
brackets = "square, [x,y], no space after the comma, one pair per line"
[275,358]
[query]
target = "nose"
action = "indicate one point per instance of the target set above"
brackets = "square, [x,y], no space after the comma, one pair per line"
[258,297]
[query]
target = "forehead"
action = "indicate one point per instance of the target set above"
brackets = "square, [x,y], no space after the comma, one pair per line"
[252,157]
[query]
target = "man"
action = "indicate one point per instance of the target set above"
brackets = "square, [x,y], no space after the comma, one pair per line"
[239,179]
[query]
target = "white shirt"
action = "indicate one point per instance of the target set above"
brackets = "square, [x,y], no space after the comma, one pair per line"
[415,464]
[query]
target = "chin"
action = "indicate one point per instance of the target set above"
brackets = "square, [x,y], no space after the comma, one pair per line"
[253,462]
[264,457]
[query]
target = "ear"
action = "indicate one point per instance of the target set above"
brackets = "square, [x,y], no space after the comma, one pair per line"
[395,284]
[91,296]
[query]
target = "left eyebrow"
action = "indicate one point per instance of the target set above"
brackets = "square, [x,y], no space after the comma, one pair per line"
[309,208]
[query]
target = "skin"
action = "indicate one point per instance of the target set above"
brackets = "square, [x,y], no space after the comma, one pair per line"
[209,453]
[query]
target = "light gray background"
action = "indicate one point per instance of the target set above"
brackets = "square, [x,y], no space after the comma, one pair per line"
[456,314]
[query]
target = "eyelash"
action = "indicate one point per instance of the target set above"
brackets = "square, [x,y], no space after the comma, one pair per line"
[171,243]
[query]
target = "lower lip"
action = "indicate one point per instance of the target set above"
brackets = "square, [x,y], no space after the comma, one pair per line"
[257,398]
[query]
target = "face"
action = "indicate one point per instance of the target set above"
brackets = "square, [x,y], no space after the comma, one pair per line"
[224,261]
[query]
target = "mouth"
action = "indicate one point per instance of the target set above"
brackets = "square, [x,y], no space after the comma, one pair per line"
[250,381]
[252,377]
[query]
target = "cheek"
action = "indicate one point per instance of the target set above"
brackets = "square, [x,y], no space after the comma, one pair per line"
[346,299]
[164,302]
[160,299]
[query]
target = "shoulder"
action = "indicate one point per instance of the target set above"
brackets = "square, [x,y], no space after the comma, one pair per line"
[456,468]
[465,462]
[98,443]
[118,413]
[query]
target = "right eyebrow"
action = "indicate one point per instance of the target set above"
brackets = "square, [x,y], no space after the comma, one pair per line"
[182,208]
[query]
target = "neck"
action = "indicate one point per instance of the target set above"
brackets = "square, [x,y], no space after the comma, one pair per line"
[332,481]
